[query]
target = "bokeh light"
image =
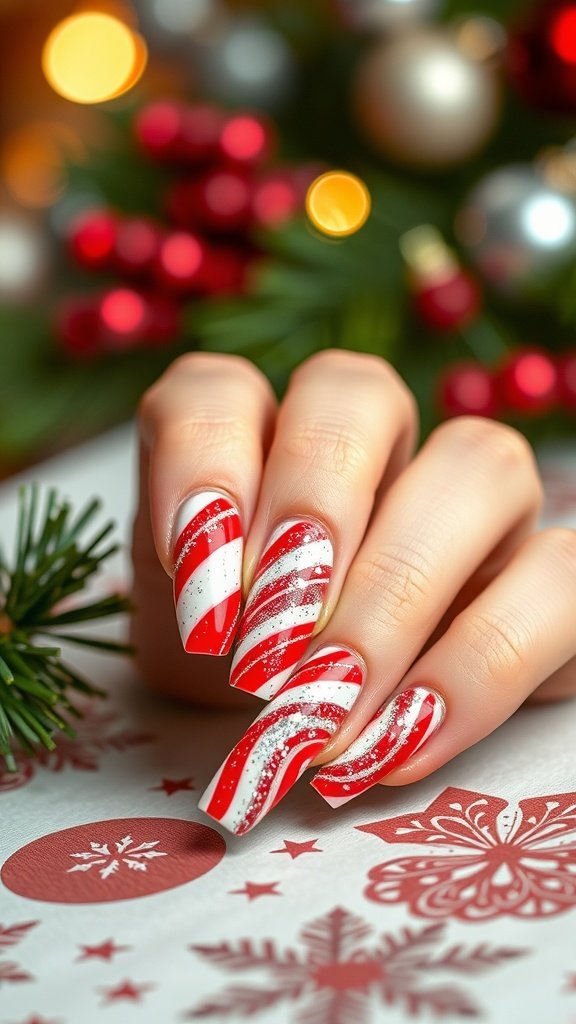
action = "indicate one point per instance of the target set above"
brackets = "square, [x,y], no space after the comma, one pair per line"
[338,203]
[34,161]
[564,35]
[92,57]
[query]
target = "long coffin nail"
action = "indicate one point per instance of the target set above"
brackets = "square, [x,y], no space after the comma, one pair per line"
[395,733]
[207,572]
[283,607]
[284,739]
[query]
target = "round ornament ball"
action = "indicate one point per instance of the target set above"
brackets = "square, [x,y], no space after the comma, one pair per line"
[450,303]
[378,15]
[423,102]
[92,238]
[248,63]
[518,230]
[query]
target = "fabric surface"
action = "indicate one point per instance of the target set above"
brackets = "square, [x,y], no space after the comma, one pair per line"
[120,901]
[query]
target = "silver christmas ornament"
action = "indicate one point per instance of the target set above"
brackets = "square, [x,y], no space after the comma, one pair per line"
[518,230]
[249,63]
[423,102]
[386,15]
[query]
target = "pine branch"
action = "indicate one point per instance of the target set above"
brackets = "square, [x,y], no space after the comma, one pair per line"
[51,563]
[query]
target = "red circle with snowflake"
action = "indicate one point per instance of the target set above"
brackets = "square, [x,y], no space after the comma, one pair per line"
[119,859]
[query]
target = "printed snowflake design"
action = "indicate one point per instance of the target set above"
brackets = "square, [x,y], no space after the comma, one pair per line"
[134,857]
[337,977]
[11,936]
[493,862]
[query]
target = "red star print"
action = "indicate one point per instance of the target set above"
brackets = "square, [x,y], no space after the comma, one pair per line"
[105,951]
[253,890]
[170,786]
[40,1020]
[297,849]
[125,990]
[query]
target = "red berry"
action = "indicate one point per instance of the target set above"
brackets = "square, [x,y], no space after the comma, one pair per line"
[528,382]
[448,304]
[92,237]
[199,135]
[181,261]
[123,318]
[164,321]
[137,244]
[247,139]
[158,129]
[468,389]
[226,270]
[223,201]
[77,328]
[567,380]
[275,198]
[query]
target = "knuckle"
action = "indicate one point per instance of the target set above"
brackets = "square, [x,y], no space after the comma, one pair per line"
[503,444]
[495,646]
[330,446]
[397,582]
[209,431]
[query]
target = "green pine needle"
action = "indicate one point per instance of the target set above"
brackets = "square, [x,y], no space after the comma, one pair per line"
[52,562]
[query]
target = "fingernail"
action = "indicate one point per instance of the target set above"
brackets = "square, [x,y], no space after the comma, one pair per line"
[283,606]
[207,572]
[284,739]
[395,733]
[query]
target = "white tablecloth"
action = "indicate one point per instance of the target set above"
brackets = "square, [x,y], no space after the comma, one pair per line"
[121,902]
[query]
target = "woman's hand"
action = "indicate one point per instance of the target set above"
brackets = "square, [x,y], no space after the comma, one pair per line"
[373,571]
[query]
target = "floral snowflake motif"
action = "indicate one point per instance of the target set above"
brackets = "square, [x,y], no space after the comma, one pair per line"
[336,978]
[10,936]
[109,863]
[493,861]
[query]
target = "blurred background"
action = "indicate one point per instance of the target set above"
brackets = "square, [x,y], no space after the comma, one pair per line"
[271,178]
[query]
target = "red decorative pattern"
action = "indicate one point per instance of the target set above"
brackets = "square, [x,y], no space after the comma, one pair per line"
[118,859]
[296,850]
[11,935]
[104,951]
[171,786]
[337,977]
[253,890]
[127,990]
[491,861]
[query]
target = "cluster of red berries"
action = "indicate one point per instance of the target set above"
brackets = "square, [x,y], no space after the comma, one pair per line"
[223,186]
[529,382]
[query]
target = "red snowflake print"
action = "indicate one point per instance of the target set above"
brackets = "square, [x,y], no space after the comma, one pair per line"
[11,935]
[337,977]
[96,733]
[492,859]
[20,777]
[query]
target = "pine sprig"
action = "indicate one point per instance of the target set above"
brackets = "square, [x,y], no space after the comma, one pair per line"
[52,562]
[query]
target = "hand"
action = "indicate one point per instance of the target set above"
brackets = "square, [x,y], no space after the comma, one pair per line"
[411,590]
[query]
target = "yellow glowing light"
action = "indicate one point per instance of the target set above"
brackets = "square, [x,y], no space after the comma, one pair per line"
[93,57]
[338,203]
[33,161]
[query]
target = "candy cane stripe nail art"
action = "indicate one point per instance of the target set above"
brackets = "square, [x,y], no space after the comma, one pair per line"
[282,741]
[207,572]
[283,607]
[395,733]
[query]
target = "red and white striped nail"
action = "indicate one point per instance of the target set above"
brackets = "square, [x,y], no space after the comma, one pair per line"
[283,606]
[280,744]
[395,733]
[207,572]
